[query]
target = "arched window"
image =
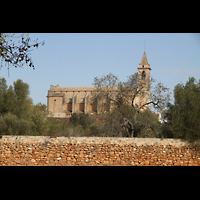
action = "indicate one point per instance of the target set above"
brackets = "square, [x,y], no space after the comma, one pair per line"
[143,75]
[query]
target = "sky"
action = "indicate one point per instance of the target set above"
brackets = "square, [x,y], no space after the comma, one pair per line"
[74,59]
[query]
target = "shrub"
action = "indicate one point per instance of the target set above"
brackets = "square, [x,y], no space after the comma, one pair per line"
[11,125]
[39,125]
[84,120]
[147,125]
[96,129]
[74,119]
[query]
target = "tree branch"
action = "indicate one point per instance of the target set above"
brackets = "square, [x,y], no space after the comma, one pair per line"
[155,104]
[17,55]
[137,92]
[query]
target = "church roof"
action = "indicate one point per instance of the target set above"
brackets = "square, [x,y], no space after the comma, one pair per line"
[144,60]
[56,95]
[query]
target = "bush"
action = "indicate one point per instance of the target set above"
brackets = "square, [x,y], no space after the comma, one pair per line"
[113,122]
[84,120]
[38,121]
[74,119]
[56,127]
[11,125]
[147,125]
[96,129]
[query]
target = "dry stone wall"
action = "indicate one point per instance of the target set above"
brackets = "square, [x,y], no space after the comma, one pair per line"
[46,151]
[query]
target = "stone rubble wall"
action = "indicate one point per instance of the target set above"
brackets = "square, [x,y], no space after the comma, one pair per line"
[46,151]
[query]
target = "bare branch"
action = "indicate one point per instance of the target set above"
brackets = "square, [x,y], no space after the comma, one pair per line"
[154,103]
[17,55]
[137,92]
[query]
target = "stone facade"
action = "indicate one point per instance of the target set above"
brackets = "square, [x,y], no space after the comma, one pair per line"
[79,151]
[62,102]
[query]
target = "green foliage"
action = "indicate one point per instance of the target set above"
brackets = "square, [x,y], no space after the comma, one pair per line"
[3,88]
[74,119]
[112,126]
[147,125]
[10,102]
[97,129]
[121,95]
[11,125]
[114,119]
[77,125]
[184,115]
[81,119]
[18,115]
[84,120]
[22,99]
[56,127]
[39,123]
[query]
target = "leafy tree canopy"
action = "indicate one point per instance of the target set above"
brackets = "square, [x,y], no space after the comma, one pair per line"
[18,115]
[184,115]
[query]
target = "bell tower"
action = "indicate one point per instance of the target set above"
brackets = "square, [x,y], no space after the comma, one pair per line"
[144,81]
[144,69]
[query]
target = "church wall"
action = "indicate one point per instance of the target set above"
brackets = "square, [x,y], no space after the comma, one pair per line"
[68,95]
[55,105]
[58,104]
[92,108]
[64,104]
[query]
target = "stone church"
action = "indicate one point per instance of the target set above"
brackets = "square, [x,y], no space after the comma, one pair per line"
[62,102]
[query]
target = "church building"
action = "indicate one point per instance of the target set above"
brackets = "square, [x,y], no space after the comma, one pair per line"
[62,102]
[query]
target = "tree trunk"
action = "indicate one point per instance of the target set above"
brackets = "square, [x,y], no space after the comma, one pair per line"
[134,118]
[132,128]
[124,124]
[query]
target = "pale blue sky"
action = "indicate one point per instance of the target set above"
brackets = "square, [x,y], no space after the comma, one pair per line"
[74,59]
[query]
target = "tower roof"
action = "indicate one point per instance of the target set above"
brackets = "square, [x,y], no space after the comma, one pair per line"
[144,60]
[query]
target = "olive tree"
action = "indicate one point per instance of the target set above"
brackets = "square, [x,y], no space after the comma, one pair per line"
[112,93]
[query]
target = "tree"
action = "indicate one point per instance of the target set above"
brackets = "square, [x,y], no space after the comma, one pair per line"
[15,99]
[119,122]
[39,124]
[113,120]
[3,88]
[18,115]
[184,115]
[10,100]
[113,93]
[17,54]
[23,101]
[147,125]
